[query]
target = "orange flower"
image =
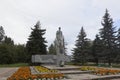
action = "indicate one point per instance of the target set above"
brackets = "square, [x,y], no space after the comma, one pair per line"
[25,74]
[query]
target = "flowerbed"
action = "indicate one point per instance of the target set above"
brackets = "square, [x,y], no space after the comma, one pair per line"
[45,70]
[24,73]
[49,73]
[21,73]
[87,68]
[103,71]
[100,71]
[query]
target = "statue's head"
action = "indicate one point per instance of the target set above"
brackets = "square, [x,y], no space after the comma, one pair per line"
[59,28]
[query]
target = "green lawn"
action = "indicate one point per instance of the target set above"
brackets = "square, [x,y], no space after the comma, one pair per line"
[14,65]
[70,63]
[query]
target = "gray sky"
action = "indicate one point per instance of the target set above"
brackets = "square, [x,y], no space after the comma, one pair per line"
[18,16]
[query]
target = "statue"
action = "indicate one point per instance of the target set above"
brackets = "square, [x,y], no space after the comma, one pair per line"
[60,48]
[2,33]
[59,42]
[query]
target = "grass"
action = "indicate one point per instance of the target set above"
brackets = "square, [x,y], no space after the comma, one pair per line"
[14,65]
[70,63]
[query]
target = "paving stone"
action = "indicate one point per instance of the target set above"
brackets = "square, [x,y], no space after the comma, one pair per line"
[80,75]
[6,72]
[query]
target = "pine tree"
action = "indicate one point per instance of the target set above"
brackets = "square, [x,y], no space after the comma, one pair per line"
[8,41]
[36,41]
[107,34]
[2,33]
[118,39]
[6,54]
[80,52]
[20,53]
[118,46]
[52,49]
[97,49]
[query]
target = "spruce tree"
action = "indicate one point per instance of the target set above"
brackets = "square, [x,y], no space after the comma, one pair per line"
[97,49]
[80,52]
[36,41]
[107,34]
[118,39]
[118,46]
[8,41]
[52,49]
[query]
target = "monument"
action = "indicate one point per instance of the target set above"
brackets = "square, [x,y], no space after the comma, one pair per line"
[60,48]
[60,58]
[59,42]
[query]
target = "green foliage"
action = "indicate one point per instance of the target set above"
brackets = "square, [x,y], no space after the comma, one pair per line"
[107,35]
[8,41]
[6,55]
[36,41]
[21,55]
[118,39]
[105,48]
[81,52]
[117,59]
[14,65]
[52,49]
[10,53]
[97,49]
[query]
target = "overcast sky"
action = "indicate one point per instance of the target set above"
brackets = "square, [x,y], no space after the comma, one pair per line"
[18,16]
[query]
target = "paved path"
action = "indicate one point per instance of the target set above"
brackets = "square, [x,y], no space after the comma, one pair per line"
[65,67]
[6,72]
[78,76]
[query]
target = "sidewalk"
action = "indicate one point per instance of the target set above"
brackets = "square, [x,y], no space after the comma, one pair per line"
[6,72]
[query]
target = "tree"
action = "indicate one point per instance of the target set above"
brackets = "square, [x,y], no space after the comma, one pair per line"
[8,41]
[118,39]
[10,53]
[97,49]
[80,52]
[36,41]
[7,49]
[107,34]
[2,33]
[20,55]
[52,49]
[118,46]
[6,54]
